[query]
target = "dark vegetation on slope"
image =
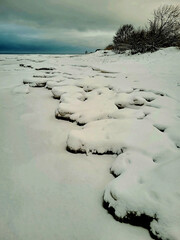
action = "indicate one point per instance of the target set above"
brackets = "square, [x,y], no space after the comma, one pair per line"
[162,31]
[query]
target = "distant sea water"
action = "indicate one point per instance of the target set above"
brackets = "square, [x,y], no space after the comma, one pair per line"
[27,53]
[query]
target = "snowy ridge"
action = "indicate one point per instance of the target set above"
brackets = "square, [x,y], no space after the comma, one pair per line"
[127,106]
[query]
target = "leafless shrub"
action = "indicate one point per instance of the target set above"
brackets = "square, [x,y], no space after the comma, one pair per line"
[109,47]
[162,31]
[121,39]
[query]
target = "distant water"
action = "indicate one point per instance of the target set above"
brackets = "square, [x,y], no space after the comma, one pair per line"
[24,53]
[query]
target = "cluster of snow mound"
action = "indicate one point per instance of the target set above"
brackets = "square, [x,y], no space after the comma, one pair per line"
[35,82]
[114,135]
[100,103]
[52,83]
[59,91]
[148,96]
[126,100]
[146,195]
[91,83]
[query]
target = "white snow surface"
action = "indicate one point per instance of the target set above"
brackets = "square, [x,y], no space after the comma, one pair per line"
[21,89]
[129,106]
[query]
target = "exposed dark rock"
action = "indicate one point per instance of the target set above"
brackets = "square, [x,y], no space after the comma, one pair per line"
[69,149]
[102,71]
[113,173]
[74,151]
[119,106]
[138,104]
[25,66]
[45,69]
[80,124]
[63,118]
[161,129]
[34,84]
[42,76]
[149,99]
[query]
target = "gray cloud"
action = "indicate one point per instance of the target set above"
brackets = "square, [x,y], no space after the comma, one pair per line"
[77,22]
[15,38]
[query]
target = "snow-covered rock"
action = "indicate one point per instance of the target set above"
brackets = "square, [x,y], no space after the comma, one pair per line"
[114,135]
[98,105]
[51,83]
[126,100]
[59,91]
[35,82]
[132,161]
[153,192]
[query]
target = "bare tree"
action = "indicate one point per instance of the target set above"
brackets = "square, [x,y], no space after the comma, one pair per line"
[123,33]
[121,39]
[164,29]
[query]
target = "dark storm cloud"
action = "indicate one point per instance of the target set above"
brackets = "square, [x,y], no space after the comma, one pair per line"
[16,39]
[79,14]
[75,23]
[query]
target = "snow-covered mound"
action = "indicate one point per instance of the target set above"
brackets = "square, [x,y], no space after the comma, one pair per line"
[133,161]
[91,83]
[100,103]
[35,82]
[51,83]
[113,135]
[59,91]
[92,108]
[147,190]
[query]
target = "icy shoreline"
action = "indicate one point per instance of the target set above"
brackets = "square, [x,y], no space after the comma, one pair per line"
[124,105]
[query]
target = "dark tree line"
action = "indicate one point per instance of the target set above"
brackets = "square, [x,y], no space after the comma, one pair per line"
[162,31]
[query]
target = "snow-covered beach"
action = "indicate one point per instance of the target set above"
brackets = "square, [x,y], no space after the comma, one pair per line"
[78,131]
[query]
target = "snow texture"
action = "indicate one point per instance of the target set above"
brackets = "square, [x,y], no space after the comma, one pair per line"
[129,108]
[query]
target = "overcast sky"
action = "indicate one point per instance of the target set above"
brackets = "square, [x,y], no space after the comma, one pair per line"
[68,26]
